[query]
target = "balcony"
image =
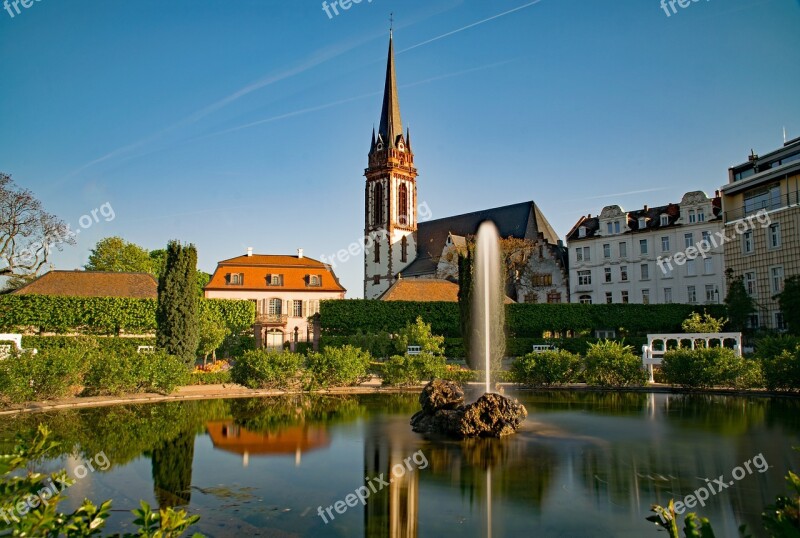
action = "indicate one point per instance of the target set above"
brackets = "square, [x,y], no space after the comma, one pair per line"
[771,204]
[272,319]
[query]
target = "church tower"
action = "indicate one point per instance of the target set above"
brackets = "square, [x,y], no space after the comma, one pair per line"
[390,195]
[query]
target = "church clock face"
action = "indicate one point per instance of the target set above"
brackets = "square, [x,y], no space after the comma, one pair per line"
[401,146]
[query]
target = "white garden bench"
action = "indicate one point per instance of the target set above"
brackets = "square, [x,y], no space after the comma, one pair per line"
[414,350]
[146,349]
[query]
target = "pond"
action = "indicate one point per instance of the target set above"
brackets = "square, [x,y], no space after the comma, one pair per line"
[583,464]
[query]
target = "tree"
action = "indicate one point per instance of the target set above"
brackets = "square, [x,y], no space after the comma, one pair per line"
[789,300]
[419,334]
[740,305]
[178,306]
[706,323]
[159,256]
[212,333]
[465,298]
[117,255]
[28,234]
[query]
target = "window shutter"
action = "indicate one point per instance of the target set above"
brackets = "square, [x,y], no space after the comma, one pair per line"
[269,279]
[305,309]
[227,278]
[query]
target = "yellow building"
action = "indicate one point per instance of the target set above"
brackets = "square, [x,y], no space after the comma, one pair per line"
[761,205]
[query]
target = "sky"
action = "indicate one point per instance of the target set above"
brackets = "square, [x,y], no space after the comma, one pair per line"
[246,123]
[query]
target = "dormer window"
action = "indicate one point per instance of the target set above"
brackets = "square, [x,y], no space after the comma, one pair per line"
[582,231]
[692,216]
[275,280]
[236,279]
[664,220]
[701,216]
[642,223]
[609,229]
[314,281]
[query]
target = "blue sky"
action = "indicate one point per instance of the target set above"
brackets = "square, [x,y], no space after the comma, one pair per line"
[247,122]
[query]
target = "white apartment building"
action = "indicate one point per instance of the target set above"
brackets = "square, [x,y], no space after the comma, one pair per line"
[656,255]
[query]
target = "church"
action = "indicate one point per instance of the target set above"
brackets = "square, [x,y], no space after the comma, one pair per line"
[400,247]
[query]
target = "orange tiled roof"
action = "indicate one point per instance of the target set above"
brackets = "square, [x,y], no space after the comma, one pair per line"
[93,284]
[424,289]
[255,268]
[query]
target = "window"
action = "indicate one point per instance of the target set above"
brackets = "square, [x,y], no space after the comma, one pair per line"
[750,283]
[376,280]
[643,246]
[664,220]
[623,250]
[582,231]
[665,244]
[587,254]
[236,279]
[554,298]
[579,254]
[767,198]
[752,321]
[668,295]
[701,216]
[774,236]
[645,271]
[377,204]
[402,205]
[645,296]
[609,229]
[531,298]
[692,293]
[607,250]
[584,278]
[711,293]
[747,242]
[776,279]
[780,323]
[607,272]
[642,223]
[692,216]
[616,227]
[404,249]
[708,265]
[542,279]
[585,299]
[609,297]
[377,252]
[688,240]
[605,334]
[707,238]
[275,307]
[297,309]
[314,280]
[691,268]
[274,280]
[623,273]
[625,297]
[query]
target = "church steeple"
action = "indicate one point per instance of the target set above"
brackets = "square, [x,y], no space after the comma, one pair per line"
[391,126]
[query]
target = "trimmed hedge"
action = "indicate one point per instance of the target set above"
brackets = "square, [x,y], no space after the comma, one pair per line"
[345,317]
[547,368]
[110,344]
[709,367]
[105,315]
[337,367]
[613,364]
[261,369]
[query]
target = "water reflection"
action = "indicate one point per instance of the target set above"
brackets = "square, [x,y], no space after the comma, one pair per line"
[584,464]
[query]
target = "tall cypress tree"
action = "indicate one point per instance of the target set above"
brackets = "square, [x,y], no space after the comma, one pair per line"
[177,313]
[465,299]
[740,305]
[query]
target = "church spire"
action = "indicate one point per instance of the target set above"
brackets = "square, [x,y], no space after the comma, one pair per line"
[391,126]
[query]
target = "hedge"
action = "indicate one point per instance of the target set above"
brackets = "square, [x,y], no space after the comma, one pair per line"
[105,315]
[345,317]
[111,344]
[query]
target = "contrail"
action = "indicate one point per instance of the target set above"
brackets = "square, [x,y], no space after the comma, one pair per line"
[625,193]
[467,27]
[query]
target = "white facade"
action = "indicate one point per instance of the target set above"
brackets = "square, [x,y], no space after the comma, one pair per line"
[651,256]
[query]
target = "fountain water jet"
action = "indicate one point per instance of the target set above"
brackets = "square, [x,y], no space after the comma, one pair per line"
[491,415]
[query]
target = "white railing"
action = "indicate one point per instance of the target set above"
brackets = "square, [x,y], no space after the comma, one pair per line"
[657,345]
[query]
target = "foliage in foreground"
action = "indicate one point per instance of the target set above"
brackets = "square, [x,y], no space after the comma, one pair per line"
[613,364]
[780,519]
[547,368]
[45,521]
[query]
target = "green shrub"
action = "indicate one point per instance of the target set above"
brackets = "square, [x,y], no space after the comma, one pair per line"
[709,367]
[459,374]
[613,364]
[51,374]
[236,345]
[129,372]
[419,333]
[547,368]
[377,344]
[210,378]
[782,371]
[403,370]
[338,367]
[773,346]
[261,369]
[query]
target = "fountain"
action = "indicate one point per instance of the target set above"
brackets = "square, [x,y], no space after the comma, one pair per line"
[491,415]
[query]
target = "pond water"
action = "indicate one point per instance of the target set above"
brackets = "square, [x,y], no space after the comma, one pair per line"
[584,464]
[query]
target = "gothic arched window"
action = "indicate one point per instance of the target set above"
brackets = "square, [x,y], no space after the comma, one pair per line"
[377,208]
[404,249]
[402,200]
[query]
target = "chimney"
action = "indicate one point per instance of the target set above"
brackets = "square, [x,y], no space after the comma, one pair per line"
[300,253]
[645,207]
[249,251]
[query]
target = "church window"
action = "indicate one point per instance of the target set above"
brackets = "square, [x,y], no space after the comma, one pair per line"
[404,249]
[402,200]
[377,210]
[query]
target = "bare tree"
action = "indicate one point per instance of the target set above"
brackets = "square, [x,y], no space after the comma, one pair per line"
[28,233]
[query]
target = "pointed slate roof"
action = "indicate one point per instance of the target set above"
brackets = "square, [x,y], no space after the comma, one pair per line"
[391,125]
[523,220]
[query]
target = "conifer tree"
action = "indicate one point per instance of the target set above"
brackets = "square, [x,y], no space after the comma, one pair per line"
[177,312]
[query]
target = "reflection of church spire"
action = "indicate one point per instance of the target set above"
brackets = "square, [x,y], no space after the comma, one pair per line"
[393,511]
